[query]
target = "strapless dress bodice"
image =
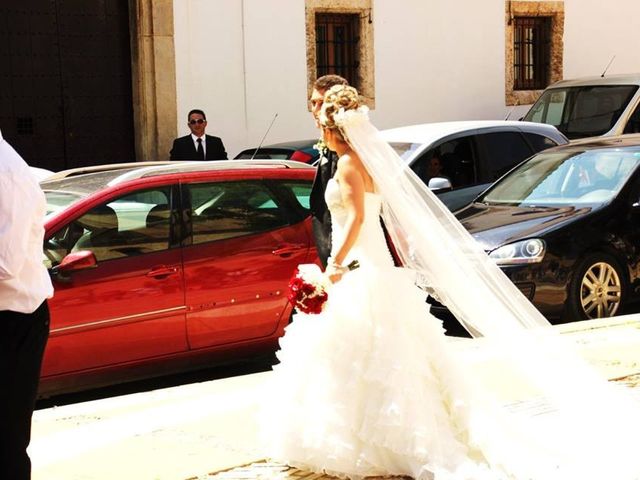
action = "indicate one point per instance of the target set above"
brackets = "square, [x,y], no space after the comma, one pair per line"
[370,248]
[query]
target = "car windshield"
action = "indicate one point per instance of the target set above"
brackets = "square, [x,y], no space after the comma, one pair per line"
[583,178]
[57,201]
[62,193]
[580,112]
[405,149]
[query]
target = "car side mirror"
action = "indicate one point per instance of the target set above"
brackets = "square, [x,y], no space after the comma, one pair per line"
[439,183]
[76,261]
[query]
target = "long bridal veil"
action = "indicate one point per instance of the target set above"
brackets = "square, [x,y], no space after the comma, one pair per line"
[592,425]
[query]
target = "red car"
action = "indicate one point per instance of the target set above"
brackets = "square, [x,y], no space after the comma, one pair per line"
[171,267]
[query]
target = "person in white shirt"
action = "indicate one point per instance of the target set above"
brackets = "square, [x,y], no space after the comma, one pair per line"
[24,316]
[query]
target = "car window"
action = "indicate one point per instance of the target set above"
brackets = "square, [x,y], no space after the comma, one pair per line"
[224,210]
[57,201]
[455,161]
[133,224]
[503,150]
[301,191]
[582,111]
[539,142]
[262,155]
[633,124]
[549,108]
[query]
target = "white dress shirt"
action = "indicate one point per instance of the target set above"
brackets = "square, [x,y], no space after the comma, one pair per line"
[24,280]
[204,143]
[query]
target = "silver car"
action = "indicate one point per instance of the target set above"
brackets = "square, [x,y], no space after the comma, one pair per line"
[459,160]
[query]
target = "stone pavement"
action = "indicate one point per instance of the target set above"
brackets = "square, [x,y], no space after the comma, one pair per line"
[264,470]
[207,431]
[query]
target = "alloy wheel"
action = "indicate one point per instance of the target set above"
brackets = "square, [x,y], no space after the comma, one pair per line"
[600,291]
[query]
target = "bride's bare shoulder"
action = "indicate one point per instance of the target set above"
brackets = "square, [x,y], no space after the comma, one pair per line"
[351,168]
[350,160]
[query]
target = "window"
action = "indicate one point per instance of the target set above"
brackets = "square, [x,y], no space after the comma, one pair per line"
[539,142]
[457,162]
[531,50]
[225,210]
[548,109]
[583,111]
[301,191]
[134,224]
[337,38]
[503,151]
[633,124]
[534,48]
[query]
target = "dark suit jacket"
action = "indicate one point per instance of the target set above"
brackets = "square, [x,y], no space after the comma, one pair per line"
[184,149]
[321,218]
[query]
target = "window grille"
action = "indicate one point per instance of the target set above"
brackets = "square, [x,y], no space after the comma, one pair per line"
[337,38]
[531,52]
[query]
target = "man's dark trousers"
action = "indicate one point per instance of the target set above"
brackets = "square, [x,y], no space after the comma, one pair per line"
[22,340]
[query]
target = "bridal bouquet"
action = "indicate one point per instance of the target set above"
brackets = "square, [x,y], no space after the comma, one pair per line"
[308,287]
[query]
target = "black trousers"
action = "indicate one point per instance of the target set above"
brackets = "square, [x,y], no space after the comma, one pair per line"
[23,337]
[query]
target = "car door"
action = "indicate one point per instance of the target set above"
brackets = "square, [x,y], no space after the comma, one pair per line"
[131,305]
[247,237]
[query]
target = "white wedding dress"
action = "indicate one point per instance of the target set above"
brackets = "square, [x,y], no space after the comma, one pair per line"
[372,387]
[368,387]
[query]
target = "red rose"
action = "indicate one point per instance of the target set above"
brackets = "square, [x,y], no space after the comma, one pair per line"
[306,297]
[308,288]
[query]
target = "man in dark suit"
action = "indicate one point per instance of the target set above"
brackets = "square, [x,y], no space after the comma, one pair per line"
[321,219]
[197,145]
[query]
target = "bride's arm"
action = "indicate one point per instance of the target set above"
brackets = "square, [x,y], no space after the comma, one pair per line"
[352,189]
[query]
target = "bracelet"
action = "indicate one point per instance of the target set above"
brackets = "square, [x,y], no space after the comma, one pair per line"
[338,268]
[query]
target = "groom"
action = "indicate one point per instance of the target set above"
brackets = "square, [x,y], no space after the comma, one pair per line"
[321,219]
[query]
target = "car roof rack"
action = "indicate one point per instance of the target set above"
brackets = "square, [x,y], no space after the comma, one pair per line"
[73,172]
[200,166]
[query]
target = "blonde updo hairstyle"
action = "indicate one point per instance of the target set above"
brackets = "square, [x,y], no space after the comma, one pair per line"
[338,97]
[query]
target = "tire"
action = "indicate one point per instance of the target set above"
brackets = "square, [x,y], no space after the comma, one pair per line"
[597,289]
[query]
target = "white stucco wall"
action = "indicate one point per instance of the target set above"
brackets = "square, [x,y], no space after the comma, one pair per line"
[434,65]
[243,61]
[209,65]
[595,31]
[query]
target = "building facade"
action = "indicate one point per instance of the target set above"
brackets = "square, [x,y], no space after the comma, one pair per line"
[246,62]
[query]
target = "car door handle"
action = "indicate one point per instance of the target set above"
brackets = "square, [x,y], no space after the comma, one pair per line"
[162,271]
[288,249]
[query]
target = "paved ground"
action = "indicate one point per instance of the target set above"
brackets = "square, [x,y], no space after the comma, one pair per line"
[265,470]
[207,430]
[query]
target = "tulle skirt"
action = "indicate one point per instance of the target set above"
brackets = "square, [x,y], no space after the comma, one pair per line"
[372,387]
[367,387]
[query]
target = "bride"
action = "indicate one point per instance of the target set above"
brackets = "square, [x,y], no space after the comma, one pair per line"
[372,387]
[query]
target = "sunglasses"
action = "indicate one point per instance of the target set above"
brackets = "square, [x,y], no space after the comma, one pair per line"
[199,121]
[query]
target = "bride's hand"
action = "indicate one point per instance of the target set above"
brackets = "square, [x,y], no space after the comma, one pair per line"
[333,273]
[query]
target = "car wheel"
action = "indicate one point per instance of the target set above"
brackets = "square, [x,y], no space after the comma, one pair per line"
[597,289]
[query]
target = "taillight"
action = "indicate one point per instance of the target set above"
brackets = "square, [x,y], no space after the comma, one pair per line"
[301,156]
